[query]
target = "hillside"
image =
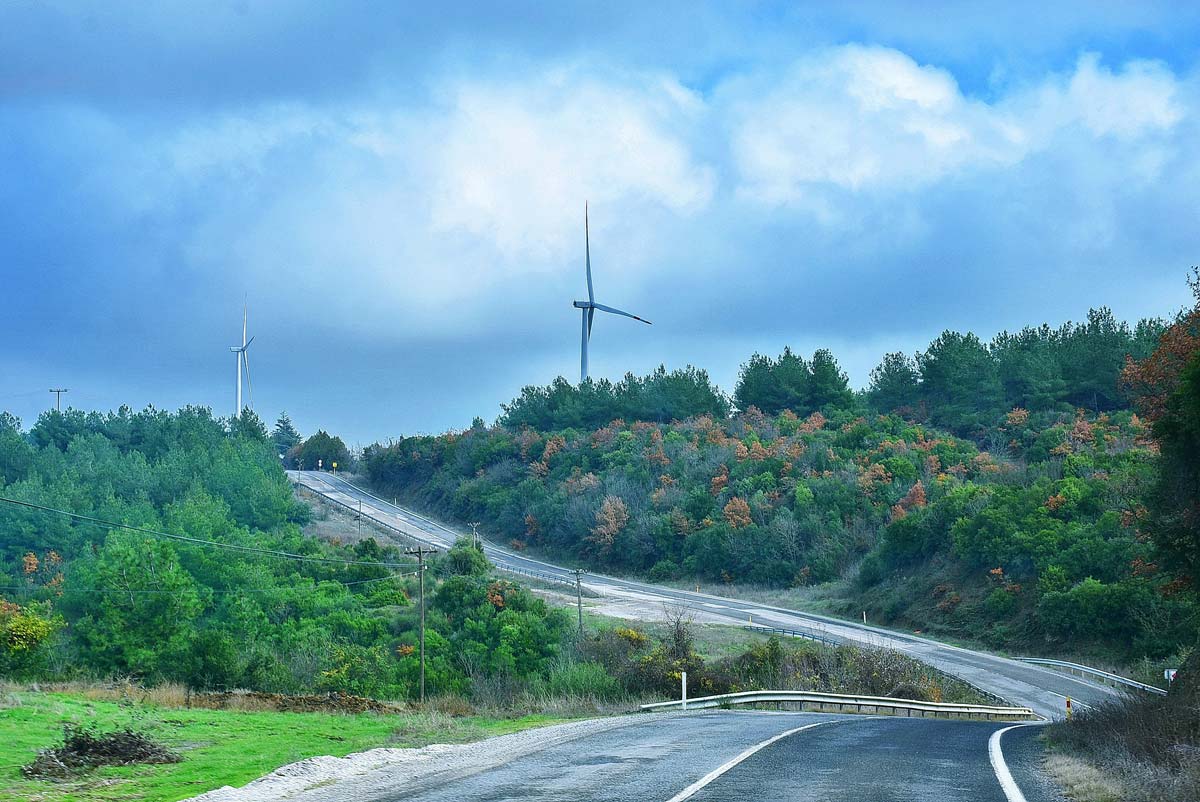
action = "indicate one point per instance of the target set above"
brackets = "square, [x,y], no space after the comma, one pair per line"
[1026,534]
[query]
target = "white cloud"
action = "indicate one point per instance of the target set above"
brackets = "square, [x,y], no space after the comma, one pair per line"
[856,118]
[513,163]
[871,119]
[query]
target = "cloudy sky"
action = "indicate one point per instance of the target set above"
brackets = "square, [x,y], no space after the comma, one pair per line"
[398,195]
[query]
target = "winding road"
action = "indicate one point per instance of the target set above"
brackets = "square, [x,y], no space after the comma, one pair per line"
[794,756]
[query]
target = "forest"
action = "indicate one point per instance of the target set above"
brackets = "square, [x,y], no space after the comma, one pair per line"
[185,581]
[167,548]
[1003,491]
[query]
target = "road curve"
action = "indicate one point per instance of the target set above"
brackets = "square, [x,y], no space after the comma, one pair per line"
[695,758]
[1041,689]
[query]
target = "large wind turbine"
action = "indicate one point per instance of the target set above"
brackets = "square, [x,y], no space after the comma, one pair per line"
[243,357]
[588,308]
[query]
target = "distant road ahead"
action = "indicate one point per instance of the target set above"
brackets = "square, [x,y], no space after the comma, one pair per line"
[1041,689]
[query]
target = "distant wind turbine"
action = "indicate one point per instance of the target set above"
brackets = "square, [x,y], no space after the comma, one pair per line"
[243,357]
[588,308]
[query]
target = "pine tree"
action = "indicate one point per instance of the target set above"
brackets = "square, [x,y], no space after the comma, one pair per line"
[285,437]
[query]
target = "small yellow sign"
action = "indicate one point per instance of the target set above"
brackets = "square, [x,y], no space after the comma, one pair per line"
[335,466]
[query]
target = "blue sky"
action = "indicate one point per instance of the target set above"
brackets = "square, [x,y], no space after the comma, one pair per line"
[398,195]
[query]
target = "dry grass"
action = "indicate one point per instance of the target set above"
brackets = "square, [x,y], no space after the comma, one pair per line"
[173,695]
[1083,782]
[1150,744]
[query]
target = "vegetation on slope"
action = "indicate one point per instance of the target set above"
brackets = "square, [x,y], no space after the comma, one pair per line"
[1025,529]
[1152,744]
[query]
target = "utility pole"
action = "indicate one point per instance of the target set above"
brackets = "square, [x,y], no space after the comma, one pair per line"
[421,551]
[579,597]
[58,397]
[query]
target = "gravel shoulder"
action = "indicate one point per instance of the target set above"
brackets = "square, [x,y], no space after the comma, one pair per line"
[390,772]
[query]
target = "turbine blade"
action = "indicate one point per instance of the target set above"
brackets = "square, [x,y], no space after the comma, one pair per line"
[247,345]
[245,313]
[614,311]
[587,249]
[591,314]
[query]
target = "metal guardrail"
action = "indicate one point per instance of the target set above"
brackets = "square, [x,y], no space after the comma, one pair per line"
[792,633]
[838,703]
[410,536]
[512,569]
[1095,673]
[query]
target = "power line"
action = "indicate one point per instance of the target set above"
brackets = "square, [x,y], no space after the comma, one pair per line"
[200,541]
[198,589]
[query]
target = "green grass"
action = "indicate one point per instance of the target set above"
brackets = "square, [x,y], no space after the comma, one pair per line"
[219,747]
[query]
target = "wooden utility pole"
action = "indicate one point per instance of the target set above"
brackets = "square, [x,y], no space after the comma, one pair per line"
[58,397]
[421,551]
[579,597]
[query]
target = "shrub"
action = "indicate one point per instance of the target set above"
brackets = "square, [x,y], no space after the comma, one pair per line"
[86,747]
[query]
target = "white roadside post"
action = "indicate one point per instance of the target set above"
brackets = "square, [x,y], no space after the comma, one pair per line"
[683,689]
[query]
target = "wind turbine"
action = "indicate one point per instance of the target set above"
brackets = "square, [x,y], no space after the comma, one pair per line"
[588,308]
[243,356]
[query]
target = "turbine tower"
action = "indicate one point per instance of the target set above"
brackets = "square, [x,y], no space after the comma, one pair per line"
[588,308]
[243,358]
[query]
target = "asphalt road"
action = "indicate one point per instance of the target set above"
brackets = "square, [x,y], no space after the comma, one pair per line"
[1041,689]
[819,757]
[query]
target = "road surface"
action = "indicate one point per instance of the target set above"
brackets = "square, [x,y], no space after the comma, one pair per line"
[1041,689]
[728,756]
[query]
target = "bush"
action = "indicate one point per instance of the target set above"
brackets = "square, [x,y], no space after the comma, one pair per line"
[85,748]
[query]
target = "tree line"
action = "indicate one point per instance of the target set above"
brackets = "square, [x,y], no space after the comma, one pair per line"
[959,382]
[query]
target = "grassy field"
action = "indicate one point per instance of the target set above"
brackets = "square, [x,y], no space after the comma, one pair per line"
[219,747]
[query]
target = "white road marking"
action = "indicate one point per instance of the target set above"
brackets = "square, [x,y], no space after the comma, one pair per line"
[1011,791]
[691,790]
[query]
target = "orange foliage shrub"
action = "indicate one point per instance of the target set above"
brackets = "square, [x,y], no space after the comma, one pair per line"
[719,481]
[1017,417]
[737,513]
[610,520]
[813,423]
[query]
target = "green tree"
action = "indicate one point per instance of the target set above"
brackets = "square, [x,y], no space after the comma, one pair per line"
[325,448]
[828,384]
[894,384]
[959,382]
[141,624]
[285,437]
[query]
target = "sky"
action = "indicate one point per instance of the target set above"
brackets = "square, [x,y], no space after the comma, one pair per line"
[396,191]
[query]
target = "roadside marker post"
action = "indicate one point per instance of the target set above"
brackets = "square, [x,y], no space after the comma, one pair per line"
[1068,708]
[683,689]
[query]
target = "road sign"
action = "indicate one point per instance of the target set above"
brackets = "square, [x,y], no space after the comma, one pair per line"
[1169,674]
[335,466]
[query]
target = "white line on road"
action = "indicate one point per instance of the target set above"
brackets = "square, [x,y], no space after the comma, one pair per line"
[1012,791]
[691,790]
